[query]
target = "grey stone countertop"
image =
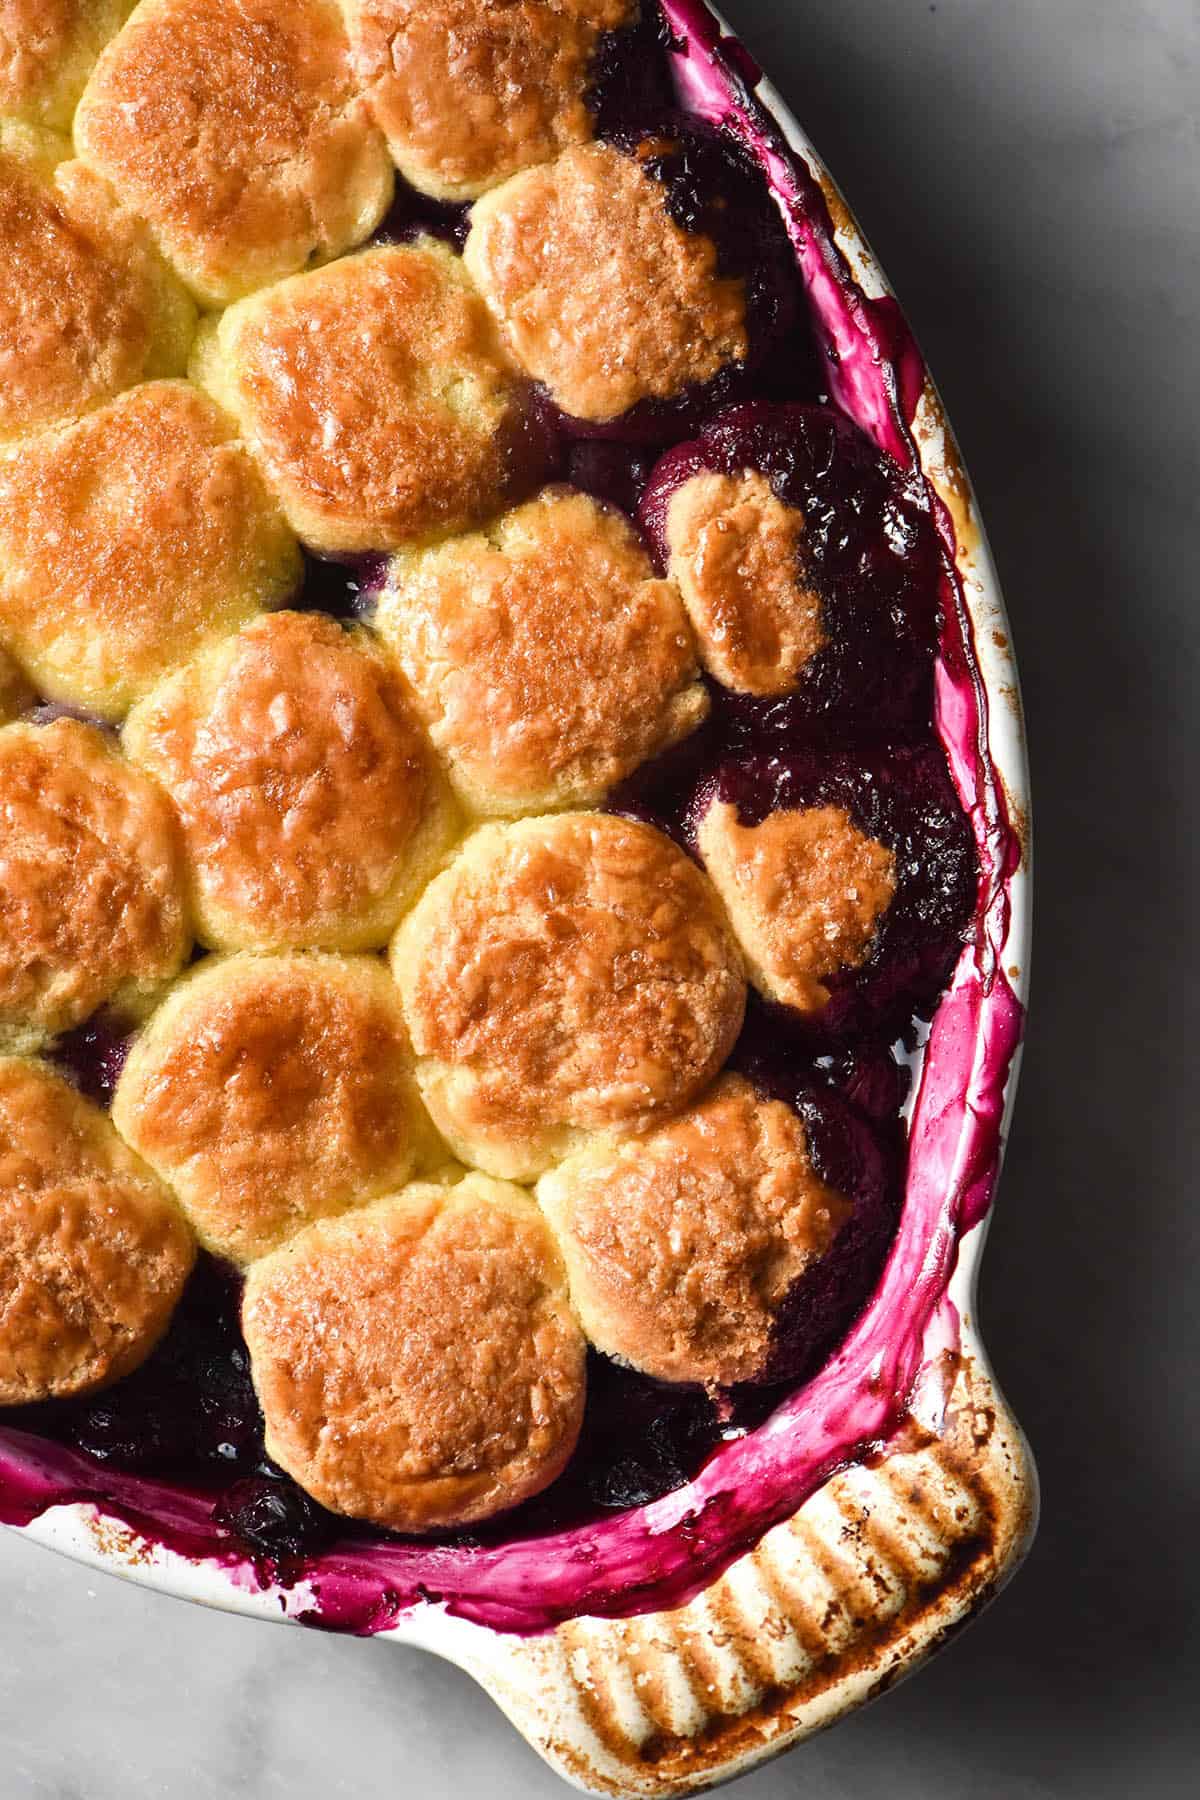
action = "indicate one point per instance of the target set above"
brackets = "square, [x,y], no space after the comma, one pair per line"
[1029,172]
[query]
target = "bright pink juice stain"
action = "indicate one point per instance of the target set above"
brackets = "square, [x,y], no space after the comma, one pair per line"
[660,1555]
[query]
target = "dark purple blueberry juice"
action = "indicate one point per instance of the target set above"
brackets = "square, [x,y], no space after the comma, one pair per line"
[93,1055]
[344,589]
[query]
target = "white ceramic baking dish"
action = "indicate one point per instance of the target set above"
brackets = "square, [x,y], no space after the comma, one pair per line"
[883,1506]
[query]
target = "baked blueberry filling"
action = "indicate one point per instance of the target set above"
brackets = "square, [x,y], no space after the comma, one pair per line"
[850,737]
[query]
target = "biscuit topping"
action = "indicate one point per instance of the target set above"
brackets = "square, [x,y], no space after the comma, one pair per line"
[600,294]
[234,127]
[93,1251]
[470,91]
[682,1243]
[545,658]
[737,555]
[805,891]
[417,1362]
[91,882]
[564,973]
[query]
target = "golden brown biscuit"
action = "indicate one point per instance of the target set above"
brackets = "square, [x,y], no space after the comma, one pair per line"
[91,882]
[564,974]
[735,551]
[417,1361]
[600,294]
[234,127]
[805,890]
[311,805]
[130,540]
[546,660]
[93,1250]
[271,1091]
[47,48]
[682,1243]
[470,91]
[374,394]
[87,305]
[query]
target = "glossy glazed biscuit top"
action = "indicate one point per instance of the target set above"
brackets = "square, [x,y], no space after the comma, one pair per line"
[545,658]
[735,551]
[374,394]
[470,91]
[234,127]
[564,973]
[87,306]
[805,891]
[93,1250]
[453,1385]
[683,1242]
[311,811]
[91,878]
[131,539]
[601,295]
[271,1091]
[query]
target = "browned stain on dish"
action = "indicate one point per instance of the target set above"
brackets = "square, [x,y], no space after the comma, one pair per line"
[119,1543]
[845,225]
[868,1579]
[1018,815]
[943,463]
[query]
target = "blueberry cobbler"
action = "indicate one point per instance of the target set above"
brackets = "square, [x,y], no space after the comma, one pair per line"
[475,852]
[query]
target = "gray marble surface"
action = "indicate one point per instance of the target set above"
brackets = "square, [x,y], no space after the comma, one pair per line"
[1028,171]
